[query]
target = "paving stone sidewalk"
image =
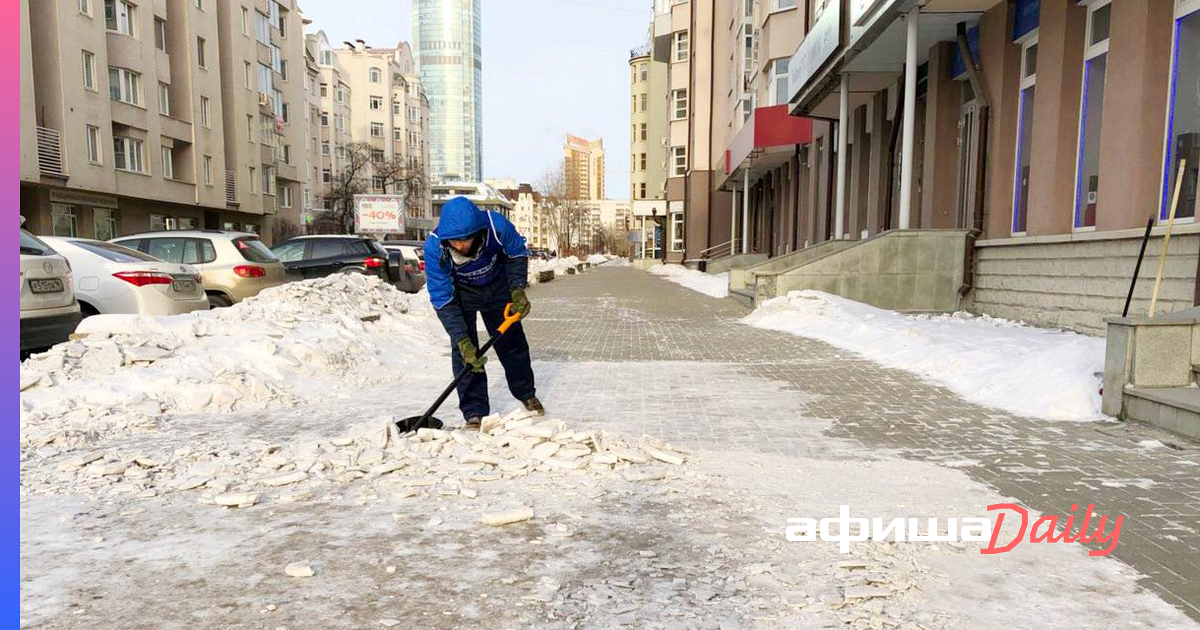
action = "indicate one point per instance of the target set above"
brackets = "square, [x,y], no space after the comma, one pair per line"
[619,315]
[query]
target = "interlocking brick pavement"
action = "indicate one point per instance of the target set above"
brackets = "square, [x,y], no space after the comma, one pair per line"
[689,372]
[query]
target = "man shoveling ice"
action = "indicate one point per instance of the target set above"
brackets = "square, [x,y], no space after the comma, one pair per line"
[476,262]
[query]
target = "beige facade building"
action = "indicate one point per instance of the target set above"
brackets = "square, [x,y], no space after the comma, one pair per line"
[333,93]
[852,135]
[648,147]
[527,214]
[142,115]
[389,112]
[583,167]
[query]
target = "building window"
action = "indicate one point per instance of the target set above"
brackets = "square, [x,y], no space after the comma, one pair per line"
[89,70]
[200,59]
[678,161]
[200,4]
[377,184]
[397,135]
[245,21]
[1183,117]
[62,220]
[681,46]
[285,196]
[125,86]
[160,34]
[164,99]
[92,140]
[253,179]
[324,119]
[324,148]
[680,109]
[1091,113]
[250,227]
[643,134]
[642,162]
[269,183]
[120,16]
[376,75]
[779,5]
[208,173]
[104,224]
[326,175]
[168,163]
[677,232]
[160,222]
[642,190]
[262,29]
[644,102]
[779,81]
[325,57]
[287,154]
[324,89]
[1024,133]
[204,111]
[642,70]
[127,154]
[376,102]
[377,155]
[85,7]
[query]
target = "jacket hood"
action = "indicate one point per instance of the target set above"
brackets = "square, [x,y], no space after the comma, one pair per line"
[460,219]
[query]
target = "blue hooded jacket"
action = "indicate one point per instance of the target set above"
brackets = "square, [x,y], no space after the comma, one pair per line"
[502,263]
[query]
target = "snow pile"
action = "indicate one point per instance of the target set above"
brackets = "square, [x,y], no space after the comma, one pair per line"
[277,349]
[1027,371]
[597,259]
[558,265]
[715,285]
[429,461]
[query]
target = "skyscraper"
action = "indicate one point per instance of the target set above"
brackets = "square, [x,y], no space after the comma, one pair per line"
[446,38]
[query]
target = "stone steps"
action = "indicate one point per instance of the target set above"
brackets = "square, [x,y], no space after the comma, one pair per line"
[1173,408]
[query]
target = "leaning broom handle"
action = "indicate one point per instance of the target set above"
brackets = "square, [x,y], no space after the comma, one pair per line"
[1162,255]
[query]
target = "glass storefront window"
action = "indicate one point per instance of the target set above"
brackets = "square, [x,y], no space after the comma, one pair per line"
[1091,116]
[104,224]
[1024,134]
[62,219]
[1183,117]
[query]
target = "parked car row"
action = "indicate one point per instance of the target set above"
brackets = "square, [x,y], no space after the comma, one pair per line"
[64,279]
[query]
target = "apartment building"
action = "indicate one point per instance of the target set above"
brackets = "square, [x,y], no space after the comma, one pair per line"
[334,116]
[260,50]
[583,167]
[528,215]
[389,112]
[136,115]
[648,148]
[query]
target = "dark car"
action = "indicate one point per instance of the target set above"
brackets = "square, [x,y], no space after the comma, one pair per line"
[319,256]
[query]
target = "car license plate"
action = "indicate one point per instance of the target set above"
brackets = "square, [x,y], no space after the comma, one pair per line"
[48,285]
[183,286]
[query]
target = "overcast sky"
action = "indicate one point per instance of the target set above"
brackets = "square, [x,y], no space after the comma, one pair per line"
[549,67]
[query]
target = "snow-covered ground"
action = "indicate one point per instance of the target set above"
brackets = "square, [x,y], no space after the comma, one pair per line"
[558,265]
[173,469]
[1028,371]
[715,285]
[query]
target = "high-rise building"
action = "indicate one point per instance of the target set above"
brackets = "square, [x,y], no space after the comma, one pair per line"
[447,44]
[583,167]
[142,116]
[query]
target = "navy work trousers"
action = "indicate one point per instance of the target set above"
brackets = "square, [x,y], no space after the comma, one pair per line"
[513,352]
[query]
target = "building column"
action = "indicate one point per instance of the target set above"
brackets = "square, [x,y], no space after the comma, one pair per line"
[910,113]
[746,211]
[839,213]
[733,223]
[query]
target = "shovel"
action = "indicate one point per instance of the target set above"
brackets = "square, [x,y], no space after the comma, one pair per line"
[427,421]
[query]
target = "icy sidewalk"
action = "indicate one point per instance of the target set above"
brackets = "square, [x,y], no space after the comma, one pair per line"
[1027,371]
[714,285]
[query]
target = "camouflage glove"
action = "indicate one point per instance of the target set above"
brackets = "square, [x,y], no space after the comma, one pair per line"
[468,352]
[520,302]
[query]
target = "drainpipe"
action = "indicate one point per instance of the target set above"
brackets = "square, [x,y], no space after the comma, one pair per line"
[733,222]
[973,75]
[910,112]
[839,220]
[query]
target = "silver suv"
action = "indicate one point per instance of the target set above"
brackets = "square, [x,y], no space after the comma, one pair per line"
[233,265]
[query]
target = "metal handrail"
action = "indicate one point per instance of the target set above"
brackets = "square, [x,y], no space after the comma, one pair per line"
[728,248]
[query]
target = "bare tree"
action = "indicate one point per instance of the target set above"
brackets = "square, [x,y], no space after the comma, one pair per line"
[564,214]
[283,229]
[403,177]
[350,180]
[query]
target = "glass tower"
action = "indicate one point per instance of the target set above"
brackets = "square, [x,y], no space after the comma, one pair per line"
[446,41]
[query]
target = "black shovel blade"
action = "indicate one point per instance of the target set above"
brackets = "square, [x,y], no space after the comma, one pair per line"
[413,423]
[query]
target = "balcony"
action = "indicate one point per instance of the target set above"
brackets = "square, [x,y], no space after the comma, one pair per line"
[640,51]
[766,141]
[49,152]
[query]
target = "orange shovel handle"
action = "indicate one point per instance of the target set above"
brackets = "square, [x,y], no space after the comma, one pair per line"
[510,317]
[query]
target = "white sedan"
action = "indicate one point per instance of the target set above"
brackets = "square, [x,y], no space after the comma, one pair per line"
[111,278]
